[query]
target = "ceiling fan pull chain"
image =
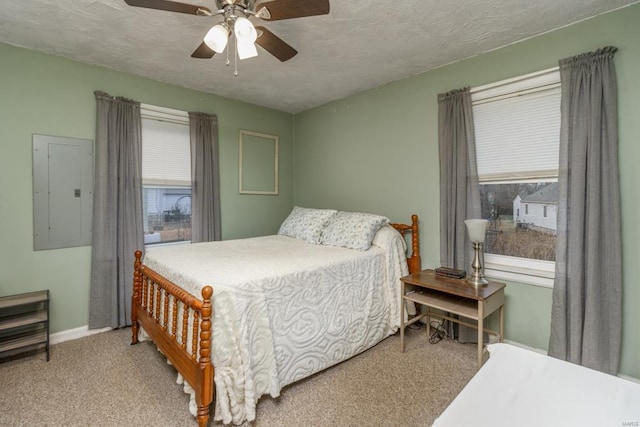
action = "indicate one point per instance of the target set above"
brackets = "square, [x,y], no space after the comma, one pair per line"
[235,61]
[228,62]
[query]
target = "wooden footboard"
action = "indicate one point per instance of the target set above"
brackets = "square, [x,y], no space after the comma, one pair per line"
[180,324]
[156,303]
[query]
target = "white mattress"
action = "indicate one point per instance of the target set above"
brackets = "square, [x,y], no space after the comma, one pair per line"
[518,387]
[284,309]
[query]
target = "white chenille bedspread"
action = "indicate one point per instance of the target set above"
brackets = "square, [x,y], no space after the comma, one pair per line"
[284,309]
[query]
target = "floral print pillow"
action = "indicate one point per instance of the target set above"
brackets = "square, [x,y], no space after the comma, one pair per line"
[352,230]
[306,223]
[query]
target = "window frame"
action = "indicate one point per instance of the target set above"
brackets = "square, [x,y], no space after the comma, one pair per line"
[170,115]
[522,270]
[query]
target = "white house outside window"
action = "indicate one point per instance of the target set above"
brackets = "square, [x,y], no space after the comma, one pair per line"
[517,130]
[166,175]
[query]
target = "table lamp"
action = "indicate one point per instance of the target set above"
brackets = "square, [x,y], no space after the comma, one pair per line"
[477,229]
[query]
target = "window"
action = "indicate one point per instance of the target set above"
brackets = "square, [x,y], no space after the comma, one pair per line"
[166,175]
[517,129]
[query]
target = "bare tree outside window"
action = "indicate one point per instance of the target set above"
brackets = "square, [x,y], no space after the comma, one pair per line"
[167,214]
[529,235]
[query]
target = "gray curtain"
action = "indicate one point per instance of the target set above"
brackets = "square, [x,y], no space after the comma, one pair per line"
[205,177]
[117,210]
[586,317]
[459,189]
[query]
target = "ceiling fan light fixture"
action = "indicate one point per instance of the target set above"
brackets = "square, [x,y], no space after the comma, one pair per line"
[235,24]
[246,50]
[217,38]
[246,36]
[244,30]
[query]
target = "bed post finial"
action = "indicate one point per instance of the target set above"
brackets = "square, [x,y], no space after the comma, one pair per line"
[415,263]
[205,326]
[205,397]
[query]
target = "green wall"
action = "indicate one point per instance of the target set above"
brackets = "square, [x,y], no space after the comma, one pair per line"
[54,96]
[378,152]
[374,152]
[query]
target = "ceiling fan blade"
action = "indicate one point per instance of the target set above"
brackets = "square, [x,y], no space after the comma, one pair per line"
[288,9]
[275,45]
[203,52]
[170,6]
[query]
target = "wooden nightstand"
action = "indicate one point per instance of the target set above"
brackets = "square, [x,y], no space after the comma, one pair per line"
[454,296]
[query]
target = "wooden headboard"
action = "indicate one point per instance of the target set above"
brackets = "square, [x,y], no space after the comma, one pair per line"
[413,261]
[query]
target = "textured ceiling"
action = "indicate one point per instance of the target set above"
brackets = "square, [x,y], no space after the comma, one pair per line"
[361,44]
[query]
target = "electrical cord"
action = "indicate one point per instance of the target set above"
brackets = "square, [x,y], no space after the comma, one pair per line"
[438,332]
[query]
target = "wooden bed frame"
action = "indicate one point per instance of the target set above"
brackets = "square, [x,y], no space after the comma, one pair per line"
[154,296]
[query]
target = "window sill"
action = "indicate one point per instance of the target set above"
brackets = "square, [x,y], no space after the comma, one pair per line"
[521,270]
[162,245]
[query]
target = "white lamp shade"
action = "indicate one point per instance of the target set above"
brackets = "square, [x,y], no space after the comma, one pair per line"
[246,50]
[246,36]
[477,229]
[217,38]
[244,30]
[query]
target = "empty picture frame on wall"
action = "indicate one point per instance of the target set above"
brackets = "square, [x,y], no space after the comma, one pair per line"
[258,163]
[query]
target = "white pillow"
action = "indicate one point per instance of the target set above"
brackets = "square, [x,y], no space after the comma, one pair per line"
[306,223]
[354,230]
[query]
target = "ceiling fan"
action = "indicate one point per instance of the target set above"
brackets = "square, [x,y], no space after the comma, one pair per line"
[235,16]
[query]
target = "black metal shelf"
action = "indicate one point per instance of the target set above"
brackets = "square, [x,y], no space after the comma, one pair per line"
[24,323]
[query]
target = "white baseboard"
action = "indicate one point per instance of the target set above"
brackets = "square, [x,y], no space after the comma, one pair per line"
[74,334]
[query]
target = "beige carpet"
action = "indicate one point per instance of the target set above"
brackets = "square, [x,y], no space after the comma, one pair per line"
[102,381]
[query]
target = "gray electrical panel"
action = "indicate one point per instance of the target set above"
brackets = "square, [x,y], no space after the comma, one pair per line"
[62,192]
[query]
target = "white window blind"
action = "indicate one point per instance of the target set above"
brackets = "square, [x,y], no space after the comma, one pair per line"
[166,151]
[517,128]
